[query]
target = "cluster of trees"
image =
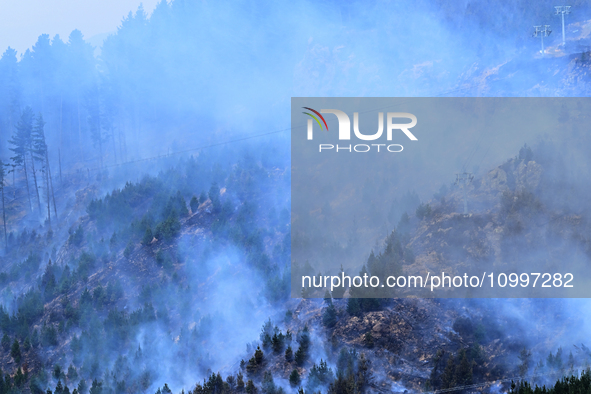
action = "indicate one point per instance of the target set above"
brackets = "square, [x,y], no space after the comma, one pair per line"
[569,384]
[29,147]
[16,383]
[273,338]
[30,153]
[451,370]
[123,214]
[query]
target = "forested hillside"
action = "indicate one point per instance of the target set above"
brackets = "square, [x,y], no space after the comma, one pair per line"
[145,205]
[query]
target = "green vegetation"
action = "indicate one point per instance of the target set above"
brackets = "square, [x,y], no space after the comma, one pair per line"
[565,385]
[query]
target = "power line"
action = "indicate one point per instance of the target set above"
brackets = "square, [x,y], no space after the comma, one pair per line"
[444,93]
[463,180]
[542,31]
[562,10]
[247,137]
[560,372]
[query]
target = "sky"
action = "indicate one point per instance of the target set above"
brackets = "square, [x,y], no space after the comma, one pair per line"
[22,21]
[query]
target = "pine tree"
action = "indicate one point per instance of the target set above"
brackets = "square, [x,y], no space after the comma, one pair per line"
[258,355]
[11,87]
[148,237]
[294,378]
[5,342]
[82,386]
[368,340]
[194,203]
[214,196]
[448,376]
[353,307]
[72,374]
[21,141]
[240,382]
[97,387]
[250,387]
[463,370]
[57,371]
[339,292]
[19,377]
[231,382]
[289,354]
[95,117]
[39,153]
[59,388]
[15,352]
[525,358]
[329,318]
[300,356]
[27,344]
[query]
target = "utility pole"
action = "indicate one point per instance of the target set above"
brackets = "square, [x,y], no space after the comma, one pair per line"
[463,180]
[542,31]
[562,10]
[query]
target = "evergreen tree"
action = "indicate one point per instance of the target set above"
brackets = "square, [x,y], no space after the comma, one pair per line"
[27,344]
[10,88]
[339,292]
[148,237]
[214,196]
[72,375]
[15,352]
[96,388]
[19,377]
[294,378]
[202,197]
[368,340]
[21,141]
[59,388]
[194,204]
[353,307]
[449,374]
[239,382]
[258,355]
[57,371]
[288,354]
[39,153]
[300,356]
[82,386]
[250,387]
[525,358]
[463,370]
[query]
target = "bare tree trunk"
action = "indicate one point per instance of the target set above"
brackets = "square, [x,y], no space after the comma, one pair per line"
[100,136]
[61,127]
[48,196]
[4,220]
[35,182]
[51,184]
[114,146]
[27,182]
[59,156]
[79,126]
[122,145]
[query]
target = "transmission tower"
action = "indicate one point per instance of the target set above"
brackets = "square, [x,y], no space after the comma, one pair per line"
[562,10]
[542,31]
[463,180]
